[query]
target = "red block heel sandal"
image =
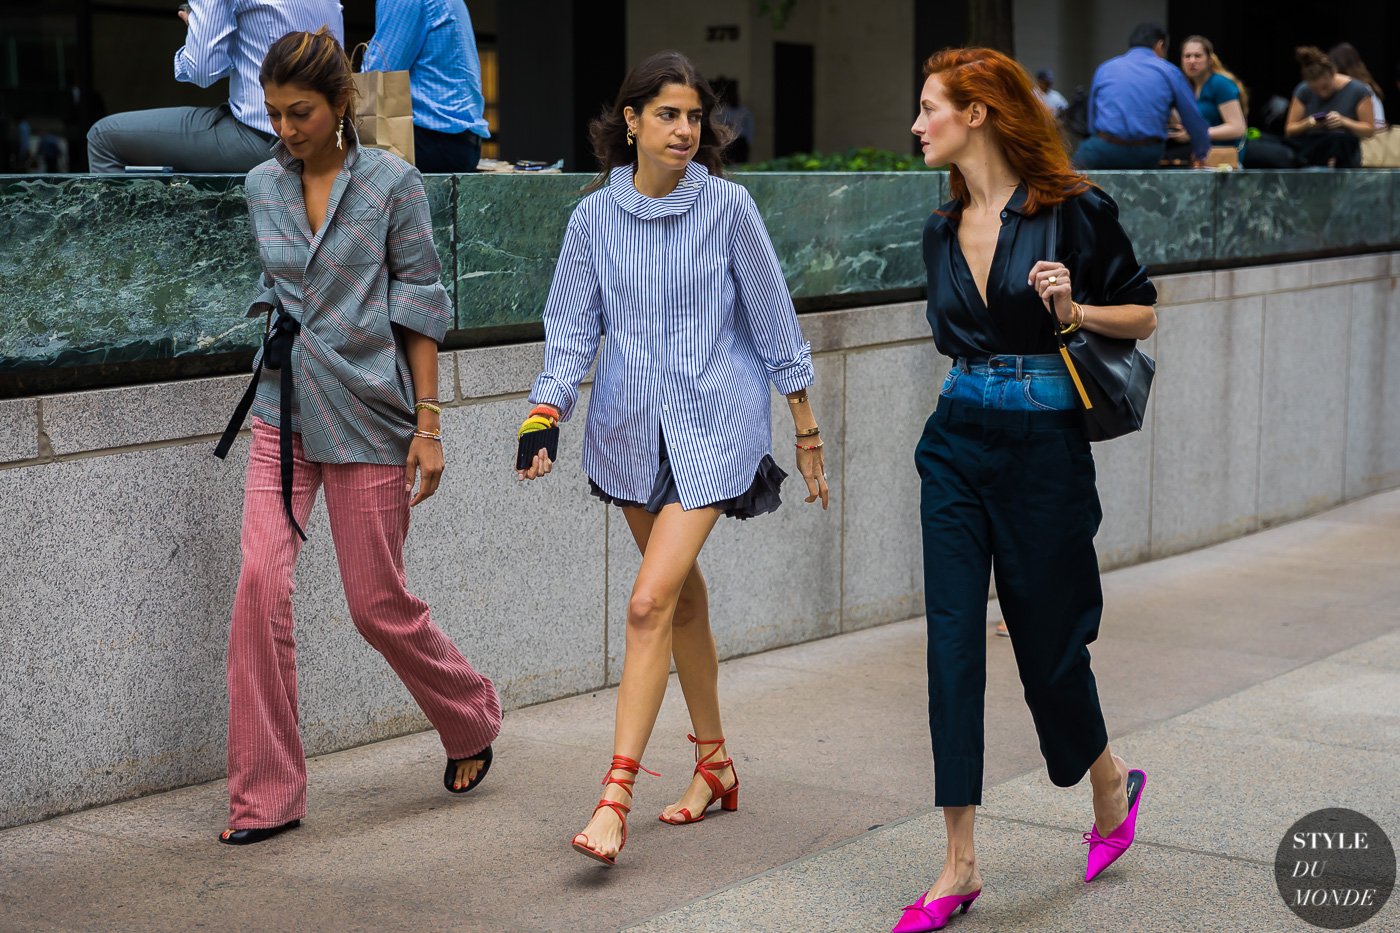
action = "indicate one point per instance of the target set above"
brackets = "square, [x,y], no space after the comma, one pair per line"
[728,797]
[619,763]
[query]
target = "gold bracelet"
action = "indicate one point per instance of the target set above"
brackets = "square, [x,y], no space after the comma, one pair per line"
[429,435]
[425,405]
[1076,318]
[799,400]
[435,401]
[812,433]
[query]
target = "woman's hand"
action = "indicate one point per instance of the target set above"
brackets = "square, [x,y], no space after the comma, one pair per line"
[541,417]
[1334,121]
[538,467]
[813,470]
[1051,282]
[425,464]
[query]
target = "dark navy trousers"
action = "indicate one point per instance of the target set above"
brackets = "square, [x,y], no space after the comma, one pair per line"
[1009,493]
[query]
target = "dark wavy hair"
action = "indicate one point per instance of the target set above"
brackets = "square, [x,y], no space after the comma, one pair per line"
[313,60]
[1348,61]
[608,132]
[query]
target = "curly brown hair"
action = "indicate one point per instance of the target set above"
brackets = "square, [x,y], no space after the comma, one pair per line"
[608,132]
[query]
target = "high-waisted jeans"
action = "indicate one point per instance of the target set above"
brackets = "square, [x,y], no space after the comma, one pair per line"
[1007,489]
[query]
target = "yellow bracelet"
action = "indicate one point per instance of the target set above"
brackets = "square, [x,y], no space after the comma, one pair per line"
[427,406]
[534,423]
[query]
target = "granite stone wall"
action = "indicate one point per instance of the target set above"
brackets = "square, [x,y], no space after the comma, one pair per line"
[119,529]
[105,270]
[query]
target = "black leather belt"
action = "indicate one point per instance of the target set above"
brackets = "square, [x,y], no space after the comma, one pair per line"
[1120,141]
[277,354]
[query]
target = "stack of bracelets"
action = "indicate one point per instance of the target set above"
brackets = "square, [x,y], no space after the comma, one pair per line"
[542,417]
[803,435]
[434,406]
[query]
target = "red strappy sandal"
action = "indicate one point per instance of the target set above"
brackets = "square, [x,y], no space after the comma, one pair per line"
[619,763]
[728,797]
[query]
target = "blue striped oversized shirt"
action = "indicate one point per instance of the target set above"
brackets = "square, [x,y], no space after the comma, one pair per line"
[230,38]
[434,42]
[371,265]
[687,300]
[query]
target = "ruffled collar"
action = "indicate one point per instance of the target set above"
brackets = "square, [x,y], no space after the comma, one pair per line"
[625,193]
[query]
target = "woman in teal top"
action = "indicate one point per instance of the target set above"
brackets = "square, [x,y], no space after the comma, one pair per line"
[1220,98]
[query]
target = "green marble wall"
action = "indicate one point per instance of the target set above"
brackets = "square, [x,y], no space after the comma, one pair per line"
[108,270]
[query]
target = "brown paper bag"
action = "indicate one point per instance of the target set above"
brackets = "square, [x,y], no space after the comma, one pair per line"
[385,111]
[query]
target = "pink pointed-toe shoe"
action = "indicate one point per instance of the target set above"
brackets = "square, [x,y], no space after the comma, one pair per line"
[1105,850]
[920,917]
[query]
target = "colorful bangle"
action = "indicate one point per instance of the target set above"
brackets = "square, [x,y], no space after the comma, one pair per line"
[429,435]
[816,446]
[547,411]
[812,433]
[534,423]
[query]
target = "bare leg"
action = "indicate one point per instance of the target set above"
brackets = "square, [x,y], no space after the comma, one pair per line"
[697,666]
[674,539]
[960,875]
[1109,776]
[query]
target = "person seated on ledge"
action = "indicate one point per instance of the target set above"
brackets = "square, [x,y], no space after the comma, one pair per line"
[1348,62]
[226,39]
[1220,99]
[433,41]
[1329,115]
[1129,102]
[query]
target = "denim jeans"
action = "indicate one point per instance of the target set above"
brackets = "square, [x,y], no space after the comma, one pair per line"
[1012,383]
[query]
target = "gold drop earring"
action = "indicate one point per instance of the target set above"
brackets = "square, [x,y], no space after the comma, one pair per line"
[340,134]
[631,137]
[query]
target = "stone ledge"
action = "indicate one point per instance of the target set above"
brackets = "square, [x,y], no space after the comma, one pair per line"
[19,430]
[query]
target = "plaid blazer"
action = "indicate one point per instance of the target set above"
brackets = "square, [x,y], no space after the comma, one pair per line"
[371,265]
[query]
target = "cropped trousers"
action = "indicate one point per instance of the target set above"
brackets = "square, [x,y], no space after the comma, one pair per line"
[368,510]
[1007,488]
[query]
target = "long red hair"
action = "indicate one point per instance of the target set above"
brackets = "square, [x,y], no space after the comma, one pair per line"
[1021,125]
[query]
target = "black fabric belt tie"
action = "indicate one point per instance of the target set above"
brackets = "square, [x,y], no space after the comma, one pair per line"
[277,354]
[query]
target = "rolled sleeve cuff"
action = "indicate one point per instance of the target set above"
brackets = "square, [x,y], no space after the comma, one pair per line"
[182,71]
[550,391]
[795,375]
[423,309]
[264,303]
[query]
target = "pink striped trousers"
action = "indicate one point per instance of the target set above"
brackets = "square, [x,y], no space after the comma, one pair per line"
[368,510]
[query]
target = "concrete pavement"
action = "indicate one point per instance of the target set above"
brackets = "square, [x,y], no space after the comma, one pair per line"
[1255,681]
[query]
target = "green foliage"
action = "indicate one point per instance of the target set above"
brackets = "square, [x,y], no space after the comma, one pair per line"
[863,159]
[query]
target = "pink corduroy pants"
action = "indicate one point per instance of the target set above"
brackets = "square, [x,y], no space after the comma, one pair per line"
[368,510]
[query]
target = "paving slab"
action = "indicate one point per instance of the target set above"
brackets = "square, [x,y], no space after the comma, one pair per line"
[1254,680]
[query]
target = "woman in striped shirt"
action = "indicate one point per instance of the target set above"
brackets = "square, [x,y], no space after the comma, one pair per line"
[668,277]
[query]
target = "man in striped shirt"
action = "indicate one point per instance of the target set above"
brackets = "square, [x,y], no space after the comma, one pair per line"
[433,41]
[226,39]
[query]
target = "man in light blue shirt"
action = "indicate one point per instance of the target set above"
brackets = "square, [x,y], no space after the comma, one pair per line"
[433,41]
[226,39]
[1129,103]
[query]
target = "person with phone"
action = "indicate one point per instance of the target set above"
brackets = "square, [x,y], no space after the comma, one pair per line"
[668,277]
[1007,478]
[223,39]
[1329,114]
[343,398]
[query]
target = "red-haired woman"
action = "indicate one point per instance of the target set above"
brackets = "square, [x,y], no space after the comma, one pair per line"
[1007,477]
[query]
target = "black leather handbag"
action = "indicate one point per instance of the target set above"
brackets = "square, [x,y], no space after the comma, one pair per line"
[1112,377]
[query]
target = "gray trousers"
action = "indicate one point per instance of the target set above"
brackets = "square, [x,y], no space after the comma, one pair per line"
[189,139]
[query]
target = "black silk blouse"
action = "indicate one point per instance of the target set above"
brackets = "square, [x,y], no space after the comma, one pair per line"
[1092,245]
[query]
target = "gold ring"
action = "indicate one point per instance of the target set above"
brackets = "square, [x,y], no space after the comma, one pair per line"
[1052,280]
